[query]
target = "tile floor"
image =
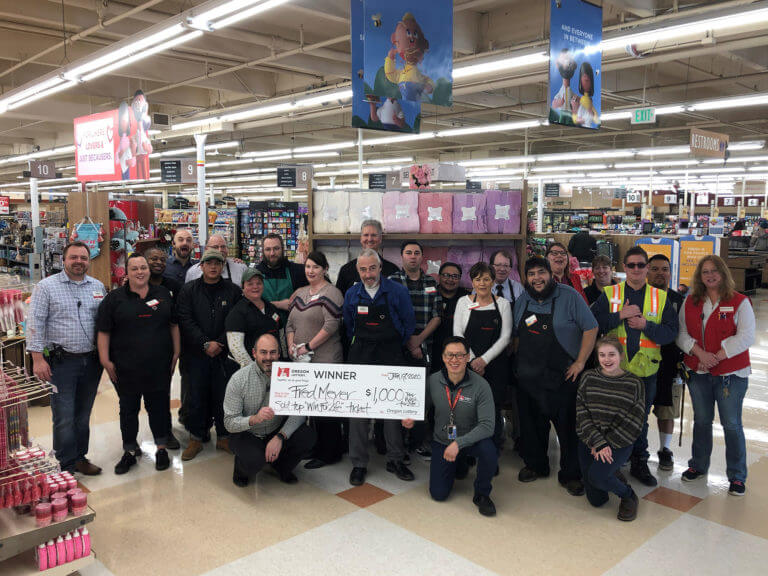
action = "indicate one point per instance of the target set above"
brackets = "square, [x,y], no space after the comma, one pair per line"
[192,520]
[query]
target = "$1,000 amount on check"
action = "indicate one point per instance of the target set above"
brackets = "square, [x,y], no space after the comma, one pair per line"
[347,390]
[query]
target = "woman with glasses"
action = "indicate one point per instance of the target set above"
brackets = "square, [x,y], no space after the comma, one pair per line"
[717,327]
[448,280]
[559,261]
[486,322]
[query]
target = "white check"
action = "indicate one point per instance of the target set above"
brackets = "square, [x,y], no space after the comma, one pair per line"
[347,390]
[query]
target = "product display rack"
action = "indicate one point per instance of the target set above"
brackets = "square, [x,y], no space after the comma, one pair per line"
[257,219]
[20,533]
[24,565]
[220,221]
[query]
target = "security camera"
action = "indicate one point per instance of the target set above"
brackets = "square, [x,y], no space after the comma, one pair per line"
[36,148]
[163,142]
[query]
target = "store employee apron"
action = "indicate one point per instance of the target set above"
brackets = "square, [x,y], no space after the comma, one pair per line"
[279,289]
[541,361]
[483,331]
[376,339]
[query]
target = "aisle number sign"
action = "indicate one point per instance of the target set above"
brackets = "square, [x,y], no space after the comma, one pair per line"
[178,171]
[294,176]
[643,116]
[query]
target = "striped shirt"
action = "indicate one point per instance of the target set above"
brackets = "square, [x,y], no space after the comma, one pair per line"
[425,297]
[610,411]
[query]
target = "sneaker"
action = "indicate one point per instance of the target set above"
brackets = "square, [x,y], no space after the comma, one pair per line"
[639,469]
[172,443]
[288,477]
[314,464]
[529,475]
[357,476]
[666,462]
[137,452]
[125,463]
[692,474]
[193,449]
[628,508]
[737,488]
[574,487]
[424,453]
[162,462]
[485,505]
[400,470]
[406,459]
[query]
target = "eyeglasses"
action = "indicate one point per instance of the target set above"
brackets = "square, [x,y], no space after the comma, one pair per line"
[502,266]
[557,253]
[638,265]
[450,276]
[454,355]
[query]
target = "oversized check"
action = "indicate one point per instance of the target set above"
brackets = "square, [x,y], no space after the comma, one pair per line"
[347,390]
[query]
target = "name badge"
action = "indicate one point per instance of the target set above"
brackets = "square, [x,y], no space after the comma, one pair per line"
[98,295]
[531,320]
[276,317]
[362,309]
[223,302]
[652,314]
[473,305]
[726,309]
[315,297]
[430,290]
[153,303]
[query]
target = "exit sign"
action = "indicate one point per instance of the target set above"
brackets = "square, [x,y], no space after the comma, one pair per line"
[644,116]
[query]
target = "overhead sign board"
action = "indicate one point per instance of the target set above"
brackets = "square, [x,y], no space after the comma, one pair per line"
[178,171]
[708,144]
[294,176]
[643,116]
[377,181]
[474,185]
[43,169]
[552,190]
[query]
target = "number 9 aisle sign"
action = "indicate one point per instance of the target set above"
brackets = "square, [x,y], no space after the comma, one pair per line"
[348,390]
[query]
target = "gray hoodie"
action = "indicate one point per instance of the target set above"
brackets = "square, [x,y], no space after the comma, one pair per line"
[474,413]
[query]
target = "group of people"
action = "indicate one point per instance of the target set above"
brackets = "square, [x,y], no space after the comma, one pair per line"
[507,359]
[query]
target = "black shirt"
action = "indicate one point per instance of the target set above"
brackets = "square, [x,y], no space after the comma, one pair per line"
[247,318]
[296,272]
[171,285]
[140,343]
[445,329]
[349,276]
[175,270]
[592,292]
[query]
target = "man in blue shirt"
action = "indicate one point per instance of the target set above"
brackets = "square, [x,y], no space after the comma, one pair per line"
[61,338]
[181,261]
[379,321]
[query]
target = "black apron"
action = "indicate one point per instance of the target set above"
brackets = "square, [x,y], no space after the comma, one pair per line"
[483,331]
[376,339]
[541,361]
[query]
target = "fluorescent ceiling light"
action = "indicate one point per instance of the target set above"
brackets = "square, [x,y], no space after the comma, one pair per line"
[266,110]
[324,147]
[585,155]
[143,54]
[202,20]
[396,139]
[620,115]
[748,145]
[664,150]
[192,149]
[537,169]
[260,153]
[738,102]
[40,95]
[499,65]
[317,155]
[246,13]
[736,159]
[657,164]
[499,127]
[31,91]
[401,160]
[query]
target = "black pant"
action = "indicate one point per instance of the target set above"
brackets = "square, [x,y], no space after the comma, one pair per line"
[208,379]
[157,404]
[330,440]
[249,451]
[536,411]
[443,473]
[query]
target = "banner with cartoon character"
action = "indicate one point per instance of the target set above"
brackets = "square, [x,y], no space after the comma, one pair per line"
[575,33]
[114,145]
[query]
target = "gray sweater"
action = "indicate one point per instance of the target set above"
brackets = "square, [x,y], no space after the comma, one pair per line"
[248,392]
[474,413]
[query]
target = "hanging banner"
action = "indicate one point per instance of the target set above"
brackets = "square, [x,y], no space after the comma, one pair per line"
[114,145]
[5,205]
[575,33]
[708,144]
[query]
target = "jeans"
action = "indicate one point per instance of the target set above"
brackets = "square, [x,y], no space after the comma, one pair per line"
[158,408]
[76,379]
[706,390]
[208,379]
[640,448]
[599,478]
[250,457]
[443,473]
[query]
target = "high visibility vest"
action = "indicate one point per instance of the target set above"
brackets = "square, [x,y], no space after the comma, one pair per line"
[646,360]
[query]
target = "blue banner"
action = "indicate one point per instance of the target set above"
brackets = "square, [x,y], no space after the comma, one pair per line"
[575,33]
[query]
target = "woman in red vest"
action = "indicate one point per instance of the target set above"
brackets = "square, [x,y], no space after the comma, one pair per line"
[717,327]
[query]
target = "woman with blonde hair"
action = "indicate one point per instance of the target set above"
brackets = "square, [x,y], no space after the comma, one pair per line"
[717,327]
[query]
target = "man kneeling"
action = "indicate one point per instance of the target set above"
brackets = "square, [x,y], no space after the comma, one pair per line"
[257,435]
[464,423]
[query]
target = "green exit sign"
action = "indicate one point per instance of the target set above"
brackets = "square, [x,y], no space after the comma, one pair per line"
[644,116]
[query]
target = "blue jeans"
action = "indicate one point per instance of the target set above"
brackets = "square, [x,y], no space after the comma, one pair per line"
[707,389]
[599,478]
[77,379]
[443,473]
[640,448]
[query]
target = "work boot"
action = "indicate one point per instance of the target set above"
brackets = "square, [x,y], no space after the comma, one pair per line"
[628,508]
[639,469]
[223,444]
[193,449]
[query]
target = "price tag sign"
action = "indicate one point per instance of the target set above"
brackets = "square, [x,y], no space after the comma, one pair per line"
[377,181]
[43,169]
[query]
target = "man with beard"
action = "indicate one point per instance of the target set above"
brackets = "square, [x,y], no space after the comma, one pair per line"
[157,263]
[449,277]
[555,334]
[257,435]
[281,277]
[603,276]
[667,404]
[643,319]
[233,269]
[61,338]
[180,262]
[370,238]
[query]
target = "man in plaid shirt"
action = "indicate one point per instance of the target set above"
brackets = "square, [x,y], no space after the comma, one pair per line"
[427,304]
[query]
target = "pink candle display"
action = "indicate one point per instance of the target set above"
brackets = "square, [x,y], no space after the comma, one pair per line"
[60,509]
[79,503]
[59,494]
[43,514]
[71,483]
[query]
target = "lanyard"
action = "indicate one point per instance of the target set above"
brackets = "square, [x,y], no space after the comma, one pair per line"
[452,403]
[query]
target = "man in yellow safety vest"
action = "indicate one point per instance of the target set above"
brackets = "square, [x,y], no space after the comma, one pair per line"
[643,320]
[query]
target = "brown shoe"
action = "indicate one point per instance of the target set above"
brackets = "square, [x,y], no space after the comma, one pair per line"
[628,508]
[193,449]
[223,444]
[87,468]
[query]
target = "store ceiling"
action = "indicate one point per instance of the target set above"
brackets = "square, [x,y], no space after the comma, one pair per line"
[193,80]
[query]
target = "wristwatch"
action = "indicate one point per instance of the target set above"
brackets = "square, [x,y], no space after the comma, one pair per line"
[206,345]
[308,347]
[283,437]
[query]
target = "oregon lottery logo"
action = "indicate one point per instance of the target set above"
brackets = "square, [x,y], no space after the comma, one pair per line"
[284,372]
